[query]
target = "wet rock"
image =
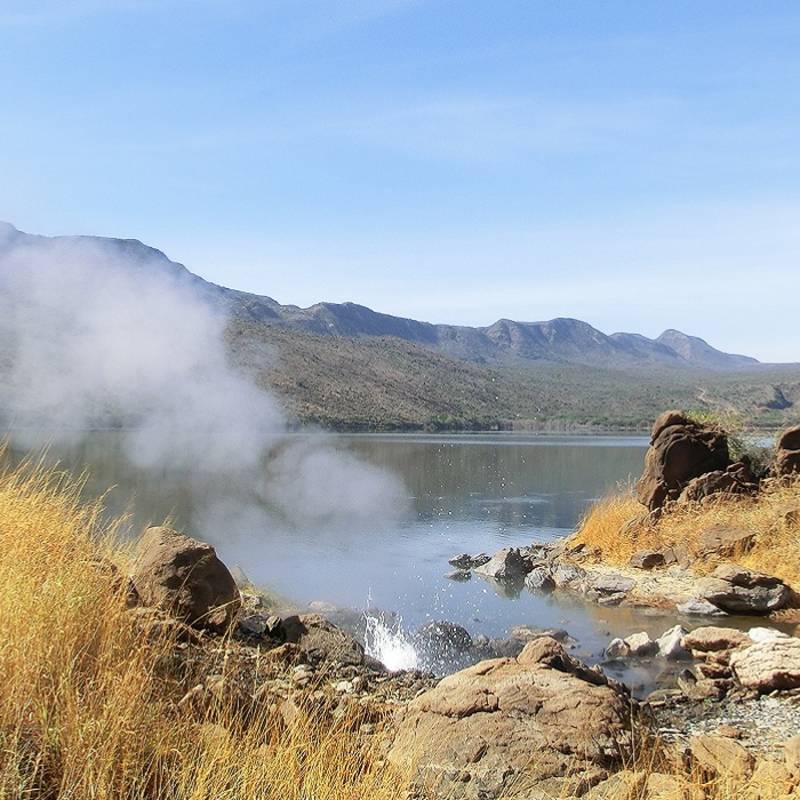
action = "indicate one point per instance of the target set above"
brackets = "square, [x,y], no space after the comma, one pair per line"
[505,564]
[670,644]
[768,665]
[647,559]
[441,638]
[738,590]
[539,579]
[473,735]
[640,644]
[617,648]
[185,578]
[680,450]
[726,541]
[712,637]
[787,454]
[609,583]
[717,756]
[320,640]
[700,608]
[467,561]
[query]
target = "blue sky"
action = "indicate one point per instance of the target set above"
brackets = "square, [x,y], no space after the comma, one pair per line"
[634,164]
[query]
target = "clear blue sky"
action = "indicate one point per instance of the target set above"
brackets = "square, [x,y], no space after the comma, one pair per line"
[634,164]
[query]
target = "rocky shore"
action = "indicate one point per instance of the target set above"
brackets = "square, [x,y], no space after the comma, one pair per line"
[522,717]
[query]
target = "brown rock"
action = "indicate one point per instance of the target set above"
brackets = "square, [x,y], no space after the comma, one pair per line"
[680,450]
[719,756]
[474,735]
[791,754]
[725,541]
[712,637]
[185,578]
[648,559]
[787,453]
[737,479]
[774,664]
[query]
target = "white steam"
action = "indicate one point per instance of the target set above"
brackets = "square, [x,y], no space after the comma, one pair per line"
[102,332]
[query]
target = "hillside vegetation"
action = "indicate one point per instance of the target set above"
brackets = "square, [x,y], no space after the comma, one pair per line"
[388,383]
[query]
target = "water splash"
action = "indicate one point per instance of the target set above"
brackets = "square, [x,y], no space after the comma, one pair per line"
[390,644]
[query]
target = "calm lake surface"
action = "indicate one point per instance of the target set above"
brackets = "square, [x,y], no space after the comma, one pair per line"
[467,493]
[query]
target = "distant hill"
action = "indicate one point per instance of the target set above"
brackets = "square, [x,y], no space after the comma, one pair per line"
[345,365]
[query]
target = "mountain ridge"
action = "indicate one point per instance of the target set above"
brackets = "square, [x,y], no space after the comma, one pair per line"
[506,341]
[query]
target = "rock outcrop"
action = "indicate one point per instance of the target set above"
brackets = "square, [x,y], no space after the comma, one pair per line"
[506,727]
[787,454]
[184,578]
[680,451]
[505,565]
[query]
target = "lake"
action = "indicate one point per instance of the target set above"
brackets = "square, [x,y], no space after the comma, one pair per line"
[466,493]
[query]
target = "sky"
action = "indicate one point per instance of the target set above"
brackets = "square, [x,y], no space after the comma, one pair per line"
[633,164]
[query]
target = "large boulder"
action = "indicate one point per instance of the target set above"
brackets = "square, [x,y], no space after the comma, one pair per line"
[711,638]
[680,450]
[508,726]
[787,453]
[741,591]
[769,665]
[185,578]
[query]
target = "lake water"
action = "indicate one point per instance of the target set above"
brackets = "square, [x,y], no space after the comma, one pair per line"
[467,493]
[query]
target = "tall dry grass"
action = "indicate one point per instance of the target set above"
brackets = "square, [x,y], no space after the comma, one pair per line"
[614,529]
[86,707]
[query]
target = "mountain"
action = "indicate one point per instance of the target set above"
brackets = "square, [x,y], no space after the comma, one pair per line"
[505,342]
[343,365]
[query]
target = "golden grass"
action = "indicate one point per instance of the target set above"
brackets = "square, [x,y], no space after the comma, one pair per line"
[85,709]
[612,529]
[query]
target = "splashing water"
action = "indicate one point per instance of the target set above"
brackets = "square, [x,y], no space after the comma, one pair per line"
[390,644]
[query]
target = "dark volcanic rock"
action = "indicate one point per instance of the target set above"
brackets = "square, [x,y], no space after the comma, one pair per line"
[680,450]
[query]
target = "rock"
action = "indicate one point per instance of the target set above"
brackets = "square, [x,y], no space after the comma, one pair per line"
[459,575]
[625,783]
[791,755]
[647,559]
[321,641]
[474,734]
[700,608]
[738,590]
[506,564]
[670,644]
[766,634]
[567,575]
[680,450]
[185,578]
[607,583]
[719,756]
[441,639]
[725,541]
[711,637]
[527,633]
[737,479]
[787,453]
[769,665]
[467,561]
[617,648]
[539,579]
[640,644]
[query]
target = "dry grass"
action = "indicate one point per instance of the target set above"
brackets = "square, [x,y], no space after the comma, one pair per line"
[85,708]
[611,532]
